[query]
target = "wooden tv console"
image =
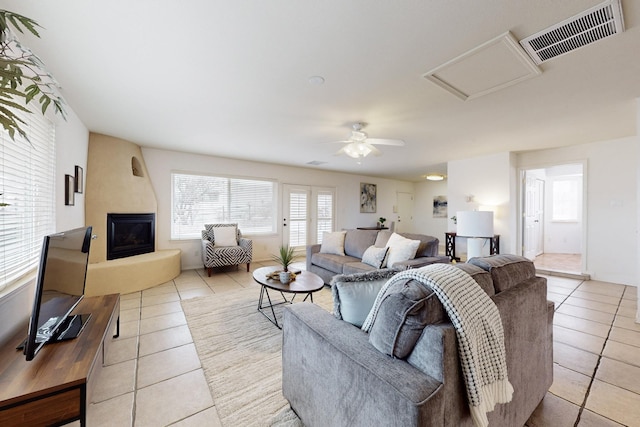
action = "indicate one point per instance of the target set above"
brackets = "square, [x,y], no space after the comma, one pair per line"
[55,387]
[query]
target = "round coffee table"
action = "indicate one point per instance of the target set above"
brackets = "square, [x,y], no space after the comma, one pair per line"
[304,283]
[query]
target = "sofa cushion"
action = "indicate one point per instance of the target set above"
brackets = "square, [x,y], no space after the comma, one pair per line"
[506,270]
[356,267]
[428,244]
[357,241]
[402,316]
[354,294]
[382,238]
[331,262]
[401,249]
[374,256]
[482,277]
[333,243]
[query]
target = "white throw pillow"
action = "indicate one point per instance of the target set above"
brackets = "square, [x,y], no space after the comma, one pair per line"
[401,249]
[333,243]
[225,236]
[374,256]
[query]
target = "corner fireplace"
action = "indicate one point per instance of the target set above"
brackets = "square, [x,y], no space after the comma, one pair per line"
[130,234]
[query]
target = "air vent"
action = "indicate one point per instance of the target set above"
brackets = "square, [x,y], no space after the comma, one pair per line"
[585,28]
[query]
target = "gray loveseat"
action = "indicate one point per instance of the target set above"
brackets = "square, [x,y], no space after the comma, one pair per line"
[333,375]
[356,243]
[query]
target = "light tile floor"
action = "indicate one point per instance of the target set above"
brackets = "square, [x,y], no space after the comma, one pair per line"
[153,375]
[568,263]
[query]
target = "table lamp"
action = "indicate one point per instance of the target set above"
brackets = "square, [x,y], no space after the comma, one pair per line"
[477,226]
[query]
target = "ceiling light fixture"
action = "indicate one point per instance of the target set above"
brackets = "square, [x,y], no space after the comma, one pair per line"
[357,149]
[434,177]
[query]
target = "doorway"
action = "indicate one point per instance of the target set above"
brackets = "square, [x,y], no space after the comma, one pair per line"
[553,217]
[404,212]
[308,212]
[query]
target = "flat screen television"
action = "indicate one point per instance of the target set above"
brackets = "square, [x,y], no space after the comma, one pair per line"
[59,288]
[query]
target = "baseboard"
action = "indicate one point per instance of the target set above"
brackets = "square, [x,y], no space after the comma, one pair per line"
[578,276]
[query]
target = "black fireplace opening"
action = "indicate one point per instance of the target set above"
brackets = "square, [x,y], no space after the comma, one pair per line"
[130,234]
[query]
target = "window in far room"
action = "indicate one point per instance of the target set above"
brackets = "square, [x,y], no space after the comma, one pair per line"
[206,199]
[27,197]
[566,199]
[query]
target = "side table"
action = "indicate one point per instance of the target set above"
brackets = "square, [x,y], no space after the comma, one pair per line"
[450,245]
[304,283]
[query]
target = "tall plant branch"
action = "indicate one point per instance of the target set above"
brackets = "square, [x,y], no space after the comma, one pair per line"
[23,76]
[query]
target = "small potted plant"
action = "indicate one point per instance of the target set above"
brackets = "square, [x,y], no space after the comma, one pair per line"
[285,257]
[381,221]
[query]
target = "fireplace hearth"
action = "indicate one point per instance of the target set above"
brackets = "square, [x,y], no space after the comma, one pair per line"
[130,234]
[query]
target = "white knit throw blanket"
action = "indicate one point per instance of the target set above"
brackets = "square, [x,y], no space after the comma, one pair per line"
[477,322]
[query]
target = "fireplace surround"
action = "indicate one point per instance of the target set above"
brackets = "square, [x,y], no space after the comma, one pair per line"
[130,234]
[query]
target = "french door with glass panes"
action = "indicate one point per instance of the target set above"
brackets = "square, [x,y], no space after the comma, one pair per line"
[307,213]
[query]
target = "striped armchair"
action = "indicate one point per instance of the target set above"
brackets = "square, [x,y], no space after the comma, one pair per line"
[231,248]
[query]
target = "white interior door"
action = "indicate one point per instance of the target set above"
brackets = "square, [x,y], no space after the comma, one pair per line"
[404,210]
[533,206]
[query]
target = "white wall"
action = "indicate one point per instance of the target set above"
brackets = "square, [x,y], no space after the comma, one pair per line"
[72,145]
[160,164]
[72,139]
[490,183]
[423,219]
[611,178]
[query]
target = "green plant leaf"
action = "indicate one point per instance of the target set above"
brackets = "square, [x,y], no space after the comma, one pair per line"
[20,66]
[16,20]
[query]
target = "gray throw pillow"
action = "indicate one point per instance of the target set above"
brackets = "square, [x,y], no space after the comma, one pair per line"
[401,318]
[374,256]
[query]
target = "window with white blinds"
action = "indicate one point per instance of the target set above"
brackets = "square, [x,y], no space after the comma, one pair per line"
[27,199]
[324,206]
[207,199]
[298,214]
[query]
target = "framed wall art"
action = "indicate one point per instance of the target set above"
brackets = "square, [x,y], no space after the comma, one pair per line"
[368,198]
[440,207]
[78,180]
[69,190]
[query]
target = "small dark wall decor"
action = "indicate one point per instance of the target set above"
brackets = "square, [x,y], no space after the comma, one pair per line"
[78,180]
[69,190]
[440,207]
[368,198]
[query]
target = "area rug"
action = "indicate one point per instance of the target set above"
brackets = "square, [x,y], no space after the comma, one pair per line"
[241,355]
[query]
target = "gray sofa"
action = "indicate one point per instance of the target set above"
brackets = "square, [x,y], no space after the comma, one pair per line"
[356,243]
[333,375]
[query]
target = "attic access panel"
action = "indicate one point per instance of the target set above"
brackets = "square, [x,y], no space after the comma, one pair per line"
[492,66]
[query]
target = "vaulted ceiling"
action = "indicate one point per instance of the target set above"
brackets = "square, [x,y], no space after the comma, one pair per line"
[234,78]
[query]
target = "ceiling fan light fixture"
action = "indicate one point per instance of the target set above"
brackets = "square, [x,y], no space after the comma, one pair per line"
[357,150]
[434,177]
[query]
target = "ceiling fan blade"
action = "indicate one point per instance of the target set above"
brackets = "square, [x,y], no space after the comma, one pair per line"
[339,152]
[382,141]
[373,149]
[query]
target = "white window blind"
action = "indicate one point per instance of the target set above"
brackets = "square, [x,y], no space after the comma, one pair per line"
[27,202]
[206,199]
[325,213]
[298,213]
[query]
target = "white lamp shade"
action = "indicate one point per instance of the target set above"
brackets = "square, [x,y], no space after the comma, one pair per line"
[474,223]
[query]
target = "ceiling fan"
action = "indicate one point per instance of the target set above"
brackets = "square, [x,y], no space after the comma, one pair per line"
[359,145]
